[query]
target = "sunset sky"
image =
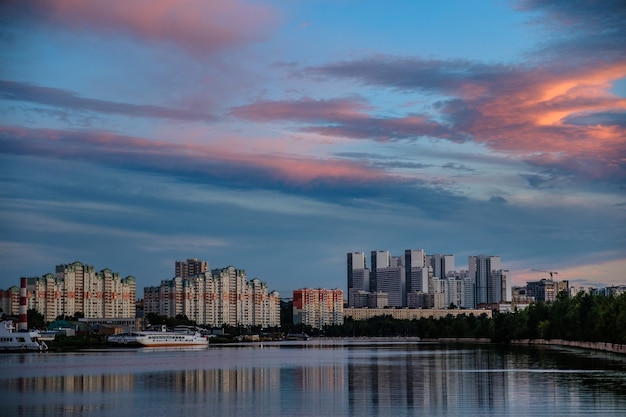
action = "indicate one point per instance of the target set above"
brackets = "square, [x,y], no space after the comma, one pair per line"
[277,136]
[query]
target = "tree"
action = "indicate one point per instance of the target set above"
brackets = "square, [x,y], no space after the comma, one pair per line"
[35,319]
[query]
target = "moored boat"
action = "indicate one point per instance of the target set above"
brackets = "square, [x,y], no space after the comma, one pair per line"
[163,338]
[19,341]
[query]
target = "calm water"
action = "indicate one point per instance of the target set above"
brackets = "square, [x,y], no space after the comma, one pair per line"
[332,378]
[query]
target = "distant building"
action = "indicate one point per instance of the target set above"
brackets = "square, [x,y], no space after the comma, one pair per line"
[220,297]
[392,280]
[487,275]
[318,307]
[441,264]
[379,260]
[358,276]
[190,267]
[77,288]
[10,301]
[484,282]
[542,290]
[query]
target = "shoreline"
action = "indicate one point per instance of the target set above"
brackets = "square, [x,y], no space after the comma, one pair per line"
[602,346]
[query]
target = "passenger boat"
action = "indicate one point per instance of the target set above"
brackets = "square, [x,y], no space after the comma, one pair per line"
[19,341]
[162,338]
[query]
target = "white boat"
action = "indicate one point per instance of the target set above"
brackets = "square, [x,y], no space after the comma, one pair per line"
[19,341]
[163,338]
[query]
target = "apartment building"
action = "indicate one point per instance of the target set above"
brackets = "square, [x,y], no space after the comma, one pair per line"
[318,307]
[216,298]
[78,288]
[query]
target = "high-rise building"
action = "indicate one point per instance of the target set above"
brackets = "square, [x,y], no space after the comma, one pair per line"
[414,261]
[392,280]
[417,278]
[358,275]
[480,270]
[501,284]
[318,307]
[191,267]
[78,288]
[441,264]
[379,259]
[222,296]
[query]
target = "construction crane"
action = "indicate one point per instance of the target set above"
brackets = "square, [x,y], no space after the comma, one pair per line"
[547,272]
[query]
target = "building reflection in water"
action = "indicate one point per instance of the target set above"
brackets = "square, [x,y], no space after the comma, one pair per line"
[356,381]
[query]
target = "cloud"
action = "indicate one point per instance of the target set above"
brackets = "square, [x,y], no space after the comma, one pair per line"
[68,100]
[196,26]
[214,160]
[583,27]
[524,111]
[345,117]
[497,199]
[304,110]
[556,111]
[617,119]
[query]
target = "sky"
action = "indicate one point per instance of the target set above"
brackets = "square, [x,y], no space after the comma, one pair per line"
[277,136]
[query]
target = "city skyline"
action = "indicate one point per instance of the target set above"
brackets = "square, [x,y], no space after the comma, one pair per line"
[279,136]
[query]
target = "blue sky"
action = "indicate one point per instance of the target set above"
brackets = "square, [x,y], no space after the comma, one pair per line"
[278,136]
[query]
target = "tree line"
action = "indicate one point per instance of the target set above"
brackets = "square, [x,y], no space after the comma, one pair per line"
[583,317]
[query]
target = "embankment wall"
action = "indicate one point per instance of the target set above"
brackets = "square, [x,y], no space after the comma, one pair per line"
[604,346]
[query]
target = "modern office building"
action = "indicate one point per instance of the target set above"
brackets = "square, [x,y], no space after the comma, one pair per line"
[318,307]
[441,264]
[392,280]
[220,297]
[430,280]
[379,260]
[414,263]
[542,290]
[501,285]
[358,275]
[480,269]
[418,278]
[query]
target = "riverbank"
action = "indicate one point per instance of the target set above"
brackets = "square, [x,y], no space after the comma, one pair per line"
[603,346]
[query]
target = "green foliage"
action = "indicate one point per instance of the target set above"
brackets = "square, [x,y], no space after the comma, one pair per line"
[385,326]
[584,317]
[35,319]
[179,320]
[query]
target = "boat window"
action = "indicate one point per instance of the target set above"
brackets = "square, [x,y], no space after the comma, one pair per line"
[21,339]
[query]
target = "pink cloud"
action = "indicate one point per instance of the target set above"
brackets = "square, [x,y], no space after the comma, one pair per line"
[540,113]
[531,118]
[197,26]
[220,159]
[342,117]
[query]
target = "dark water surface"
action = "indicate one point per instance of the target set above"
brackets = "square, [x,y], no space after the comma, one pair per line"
[328,378]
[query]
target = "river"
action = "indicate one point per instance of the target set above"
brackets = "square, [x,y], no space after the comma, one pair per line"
[316,378]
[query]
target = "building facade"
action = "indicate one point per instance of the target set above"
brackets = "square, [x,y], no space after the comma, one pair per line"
[220,297]
[480,269]
[318,307]
[191,267]
[429,281]
[79,289]
[358,276]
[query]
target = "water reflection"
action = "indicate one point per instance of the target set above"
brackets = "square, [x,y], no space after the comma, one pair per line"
[386,380]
